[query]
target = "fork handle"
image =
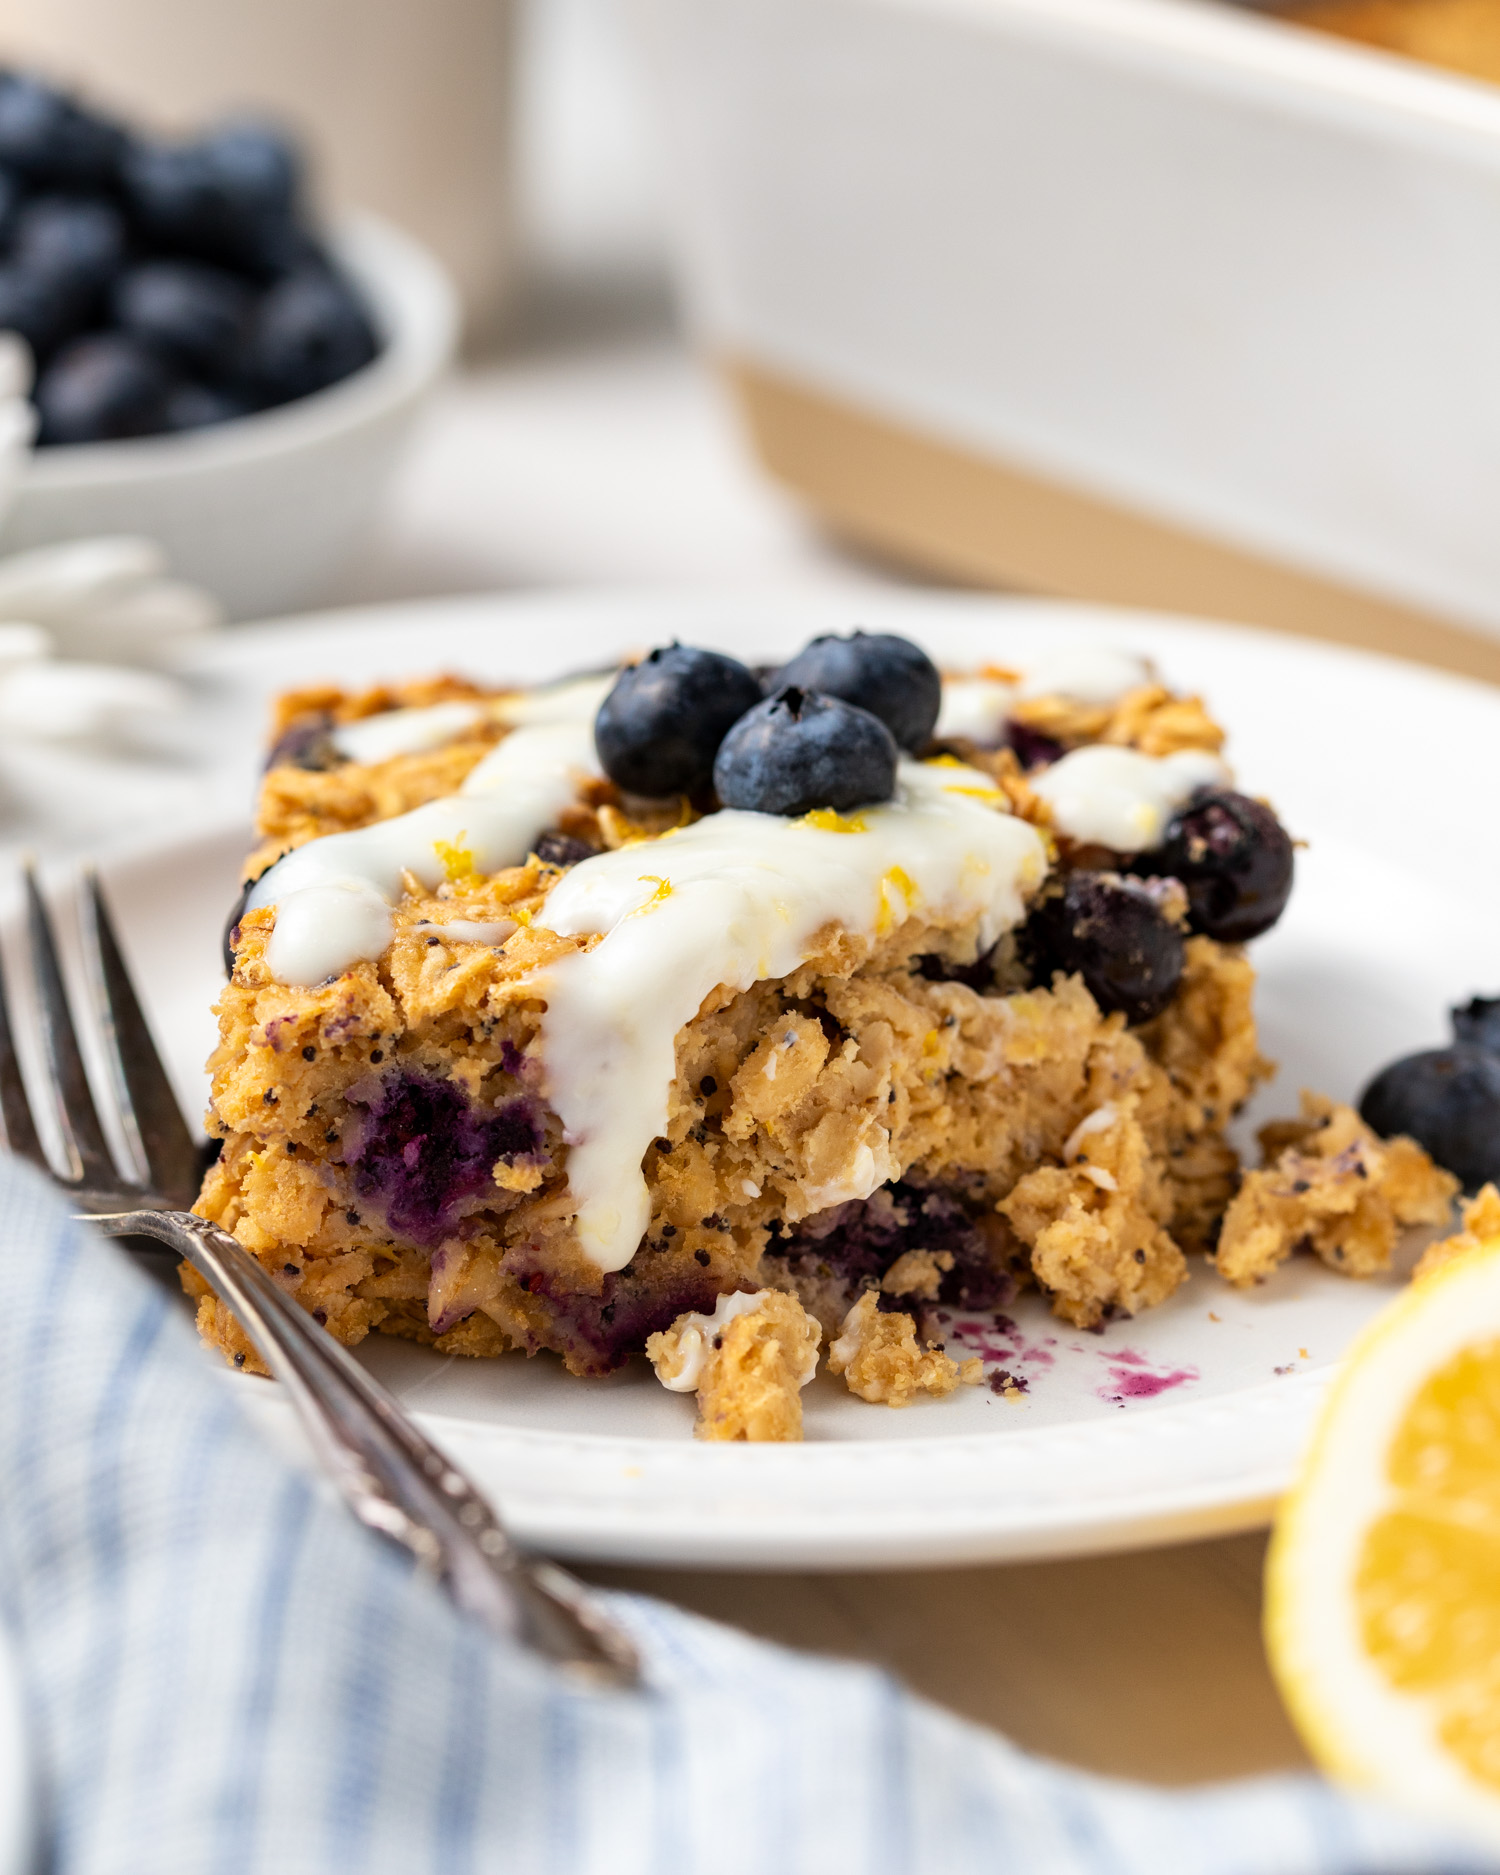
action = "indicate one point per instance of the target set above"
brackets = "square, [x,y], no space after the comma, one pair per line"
[391,1475]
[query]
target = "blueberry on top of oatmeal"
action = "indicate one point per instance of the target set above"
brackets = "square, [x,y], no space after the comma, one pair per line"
[1235,859]
[890,677]
[1113,933]
[798,751]
[659,729]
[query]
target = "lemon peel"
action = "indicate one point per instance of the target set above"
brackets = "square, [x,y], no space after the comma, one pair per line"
[1383,1580]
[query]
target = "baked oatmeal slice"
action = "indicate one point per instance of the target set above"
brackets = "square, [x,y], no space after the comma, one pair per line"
[511,1059]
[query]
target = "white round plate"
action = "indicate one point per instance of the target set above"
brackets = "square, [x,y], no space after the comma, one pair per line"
[1184,1421]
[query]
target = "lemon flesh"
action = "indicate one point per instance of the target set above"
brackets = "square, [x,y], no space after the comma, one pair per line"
[1383,1588]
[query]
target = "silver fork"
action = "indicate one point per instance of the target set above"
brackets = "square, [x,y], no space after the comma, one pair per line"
[392,1477]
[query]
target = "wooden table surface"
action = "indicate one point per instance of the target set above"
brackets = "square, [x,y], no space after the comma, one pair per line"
[613,460]
[1143,1665]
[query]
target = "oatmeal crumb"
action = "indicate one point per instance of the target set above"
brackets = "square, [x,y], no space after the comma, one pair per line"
[880,1360]
[918,1273]
[1330,1183]
[748,1371]
[1481,1231]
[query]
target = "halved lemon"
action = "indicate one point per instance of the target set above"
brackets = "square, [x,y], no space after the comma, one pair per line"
[1383,1584]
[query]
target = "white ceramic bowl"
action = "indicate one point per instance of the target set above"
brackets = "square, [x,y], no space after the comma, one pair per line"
[1174,305]
[263,510]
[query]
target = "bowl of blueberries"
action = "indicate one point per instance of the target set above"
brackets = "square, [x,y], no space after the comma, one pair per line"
[212,369]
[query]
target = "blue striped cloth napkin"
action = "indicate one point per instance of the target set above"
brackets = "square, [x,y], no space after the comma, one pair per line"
[224,1673]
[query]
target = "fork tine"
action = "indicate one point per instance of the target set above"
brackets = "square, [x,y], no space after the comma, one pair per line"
[15,1108]
[146,1099]
[70,1081]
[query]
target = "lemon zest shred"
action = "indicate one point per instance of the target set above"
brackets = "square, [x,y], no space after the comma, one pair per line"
[896,888]
[829,820]
[902,880]
[663,891]
[457,860]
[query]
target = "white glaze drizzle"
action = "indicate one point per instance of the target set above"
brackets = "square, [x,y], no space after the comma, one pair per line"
[975,708]
[405,732]
[469,930]
[334,895]
[415,731]
[1119,797]
[1097,674]
[574,700]
[731,900]
[695,1336]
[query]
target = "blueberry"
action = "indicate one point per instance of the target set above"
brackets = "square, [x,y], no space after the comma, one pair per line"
[1032,748]
[12,194]
[257,166]
[658,730]
[799,750]
[187,200]
[424,1149]
[979,975]
[1110,931]
[1478,1023]
[46,312]
[890,677]
[1235,859]
[231,931]
[192,313]
[308,744]
[308,331]
[70,238]
[177,199]
[561,849]
[101,387]
[193,406]
[52,141]
[1448,1100]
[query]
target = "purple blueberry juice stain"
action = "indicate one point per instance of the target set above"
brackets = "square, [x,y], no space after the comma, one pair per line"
[423,1149]
[1133,1377]
[1001,1340]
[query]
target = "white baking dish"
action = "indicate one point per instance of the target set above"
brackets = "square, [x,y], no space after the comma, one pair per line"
[1153,300]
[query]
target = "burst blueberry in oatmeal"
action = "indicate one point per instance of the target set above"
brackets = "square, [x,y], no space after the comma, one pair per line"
[908,994]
